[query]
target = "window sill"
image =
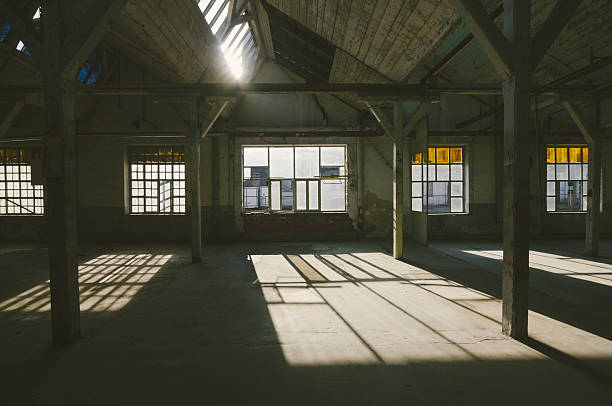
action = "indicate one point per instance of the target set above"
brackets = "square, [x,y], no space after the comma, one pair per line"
[248,213]
[155,214]
[566,212]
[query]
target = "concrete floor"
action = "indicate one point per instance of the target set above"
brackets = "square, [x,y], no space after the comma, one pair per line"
[304,323]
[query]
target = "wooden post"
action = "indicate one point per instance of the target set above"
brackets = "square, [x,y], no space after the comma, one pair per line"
[193,156]
[60,173]
[515,275]
[594,198]
[398,181]
[589,127]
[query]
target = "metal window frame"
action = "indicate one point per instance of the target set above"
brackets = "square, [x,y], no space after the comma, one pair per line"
[22,152]
[294,181]
[583,208]
[425,180]
[158,181]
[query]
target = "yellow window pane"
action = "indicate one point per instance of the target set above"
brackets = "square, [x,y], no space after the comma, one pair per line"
[416,159]
[442,155]
[432,155]
[561,155]
[550,155]
[574,154]
[456,155]
[585,155]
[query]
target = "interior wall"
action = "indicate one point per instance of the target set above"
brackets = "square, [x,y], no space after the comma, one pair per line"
[108,125]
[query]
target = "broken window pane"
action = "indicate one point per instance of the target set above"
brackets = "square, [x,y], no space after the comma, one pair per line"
[569,197]
[287,193]
[438,197]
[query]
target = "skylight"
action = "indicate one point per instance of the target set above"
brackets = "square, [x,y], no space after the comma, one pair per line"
[238,43]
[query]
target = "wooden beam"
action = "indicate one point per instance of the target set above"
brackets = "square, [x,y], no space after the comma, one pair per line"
[80,43]
[415,118]
[515,268]
[213,114]
[193,156]
[398,181]
[485,31]
[10,117]
[61,181]
[552,27]
[594,136]
[382,119]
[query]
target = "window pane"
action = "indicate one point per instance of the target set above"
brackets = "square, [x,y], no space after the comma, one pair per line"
[313,195]
[417,171]
[431,158]
[333,195]
[247,173]
[456,172]
[574,154]
[550,155]
[562,172]
[585,171]
[550,204]
[306,162]
[575,171]
[332,156]
[417,204]
[276,196]
[255,156]
[300,195]
[416,189]
[550,188]
[456,189]
[569,197]
[438,199]
[281,162]
[550,172]
[442,155]
[585,154]
[287,193]
[416,158]
[456,205]
[431,172]
[561,155]
[442,171]
[585,188]
[456,155]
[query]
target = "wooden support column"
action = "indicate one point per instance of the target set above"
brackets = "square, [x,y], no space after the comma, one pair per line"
[60,174]
[398,181]
[515,271]
[594,137]
[193,156]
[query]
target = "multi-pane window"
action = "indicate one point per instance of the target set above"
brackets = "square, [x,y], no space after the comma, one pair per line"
[18,193]
[567,173]
[438,180]
[157,180]
[298,178]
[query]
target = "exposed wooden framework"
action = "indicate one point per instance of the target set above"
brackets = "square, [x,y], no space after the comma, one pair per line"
[507,53]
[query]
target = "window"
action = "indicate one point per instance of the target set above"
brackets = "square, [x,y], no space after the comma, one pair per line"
[438,180]
[21,189]
[157,180]
[238,42]
[294,178]
[91,70]
[567,173]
